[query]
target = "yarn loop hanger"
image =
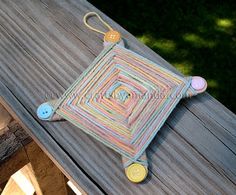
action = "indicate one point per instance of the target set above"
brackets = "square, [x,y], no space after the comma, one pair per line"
[90,14]
[110,36]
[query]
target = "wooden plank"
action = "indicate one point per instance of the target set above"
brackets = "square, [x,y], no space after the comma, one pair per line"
[55,152]
[17,161]
[44,40]
[204,141]
[2,185]
[30,175]
[12,188]
[22,180]
[49,178]
[31,161]
[183,169]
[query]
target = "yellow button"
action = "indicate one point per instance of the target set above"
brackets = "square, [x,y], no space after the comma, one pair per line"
[136,172]
[112,36]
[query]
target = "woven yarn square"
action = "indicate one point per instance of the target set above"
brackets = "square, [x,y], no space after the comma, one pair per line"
[122,100]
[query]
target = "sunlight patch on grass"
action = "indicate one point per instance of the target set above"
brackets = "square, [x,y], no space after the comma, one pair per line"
[184,67]
[224,23]
[198,41]
[146,39]
[165,45]
[212,83]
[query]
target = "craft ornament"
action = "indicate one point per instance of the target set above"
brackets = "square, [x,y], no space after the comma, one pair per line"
[122,99]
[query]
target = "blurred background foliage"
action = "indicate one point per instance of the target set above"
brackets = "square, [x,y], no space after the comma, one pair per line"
[198,37]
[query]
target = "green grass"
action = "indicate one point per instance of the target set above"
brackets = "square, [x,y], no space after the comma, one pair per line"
[197,37]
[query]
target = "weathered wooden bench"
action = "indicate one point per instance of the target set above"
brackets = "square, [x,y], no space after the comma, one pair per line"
[45,46]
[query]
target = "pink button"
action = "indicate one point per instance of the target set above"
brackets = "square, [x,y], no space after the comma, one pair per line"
[198,83]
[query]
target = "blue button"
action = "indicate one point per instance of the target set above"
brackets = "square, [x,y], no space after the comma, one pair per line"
[44,111]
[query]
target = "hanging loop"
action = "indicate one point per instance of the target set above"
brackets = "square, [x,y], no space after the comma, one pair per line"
[90,14]
[111,36]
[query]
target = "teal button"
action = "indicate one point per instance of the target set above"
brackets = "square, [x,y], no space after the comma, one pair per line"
[44,111]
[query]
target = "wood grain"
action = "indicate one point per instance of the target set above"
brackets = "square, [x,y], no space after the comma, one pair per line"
[45,46]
